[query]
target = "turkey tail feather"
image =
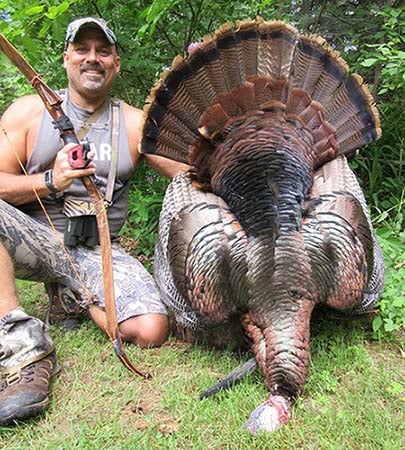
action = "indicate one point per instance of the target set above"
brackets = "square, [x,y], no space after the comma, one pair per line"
[233,378]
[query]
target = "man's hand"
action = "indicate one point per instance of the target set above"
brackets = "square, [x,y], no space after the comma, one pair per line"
[63,173]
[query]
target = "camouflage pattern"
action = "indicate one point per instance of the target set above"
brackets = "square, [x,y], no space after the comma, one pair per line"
[38,255]
[23,340]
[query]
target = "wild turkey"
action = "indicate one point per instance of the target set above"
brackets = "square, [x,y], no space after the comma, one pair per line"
[270,222]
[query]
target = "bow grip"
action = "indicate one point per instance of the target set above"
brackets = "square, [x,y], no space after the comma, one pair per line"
[77,156]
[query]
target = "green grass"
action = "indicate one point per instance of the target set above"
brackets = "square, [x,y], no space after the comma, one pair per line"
[354,397]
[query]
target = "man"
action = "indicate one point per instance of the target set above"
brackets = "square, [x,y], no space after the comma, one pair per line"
[31,249]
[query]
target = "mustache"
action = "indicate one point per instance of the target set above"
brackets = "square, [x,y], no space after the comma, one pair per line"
[87,66]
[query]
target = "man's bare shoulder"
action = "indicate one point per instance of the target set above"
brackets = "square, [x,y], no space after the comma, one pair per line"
[133,114]
[133,122]
[24,109]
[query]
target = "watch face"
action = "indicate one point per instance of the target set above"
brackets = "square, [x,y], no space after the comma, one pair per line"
[48,181]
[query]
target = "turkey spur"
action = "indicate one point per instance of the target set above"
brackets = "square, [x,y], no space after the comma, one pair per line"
[270,222]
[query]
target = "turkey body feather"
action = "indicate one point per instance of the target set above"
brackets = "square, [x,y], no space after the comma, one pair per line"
[270,221]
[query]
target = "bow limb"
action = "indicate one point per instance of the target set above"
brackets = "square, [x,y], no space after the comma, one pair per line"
[108,277]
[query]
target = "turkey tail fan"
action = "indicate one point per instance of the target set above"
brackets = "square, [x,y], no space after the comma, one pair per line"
[258,65]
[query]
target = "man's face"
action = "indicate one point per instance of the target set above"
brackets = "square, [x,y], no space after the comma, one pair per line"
[91,63]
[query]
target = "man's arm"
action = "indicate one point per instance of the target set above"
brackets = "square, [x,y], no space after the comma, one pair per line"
[164,166]
[15,187]
[18,131]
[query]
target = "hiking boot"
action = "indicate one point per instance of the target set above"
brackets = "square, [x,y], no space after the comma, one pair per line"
[63,309]
[24,393]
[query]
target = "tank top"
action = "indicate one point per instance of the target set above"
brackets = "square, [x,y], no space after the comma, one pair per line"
[48,143]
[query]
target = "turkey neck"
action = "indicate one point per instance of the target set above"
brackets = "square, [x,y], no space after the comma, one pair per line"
[264,173]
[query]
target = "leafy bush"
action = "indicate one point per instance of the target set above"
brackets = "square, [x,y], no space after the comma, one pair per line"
[392,302]
[388,55]
[145,202]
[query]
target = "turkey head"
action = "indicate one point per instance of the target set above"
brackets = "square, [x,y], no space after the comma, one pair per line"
[270,221]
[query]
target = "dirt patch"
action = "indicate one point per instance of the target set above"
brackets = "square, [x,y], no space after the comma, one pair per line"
[147,412]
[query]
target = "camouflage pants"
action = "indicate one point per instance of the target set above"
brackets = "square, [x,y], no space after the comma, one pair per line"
[37,254]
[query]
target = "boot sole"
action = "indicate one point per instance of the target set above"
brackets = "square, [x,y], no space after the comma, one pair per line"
[26,412]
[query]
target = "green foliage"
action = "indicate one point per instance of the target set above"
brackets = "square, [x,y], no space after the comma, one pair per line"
[392,302]
[381,165]
[145,203]
[154,13]
[37,30]
[389,55]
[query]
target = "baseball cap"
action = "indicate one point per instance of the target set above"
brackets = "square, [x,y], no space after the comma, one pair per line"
[89,22]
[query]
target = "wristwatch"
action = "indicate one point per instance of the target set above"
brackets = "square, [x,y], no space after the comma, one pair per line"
[48,182]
